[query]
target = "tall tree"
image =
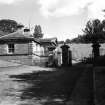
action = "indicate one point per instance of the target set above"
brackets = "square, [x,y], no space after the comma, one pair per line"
[9,26]
[68,41]
[94,30]
[38,32]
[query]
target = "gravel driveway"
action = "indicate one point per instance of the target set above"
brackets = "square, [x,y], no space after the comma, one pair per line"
[10,90]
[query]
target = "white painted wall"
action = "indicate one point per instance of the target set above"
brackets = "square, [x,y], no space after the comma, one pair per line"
[80,51]
[37,49]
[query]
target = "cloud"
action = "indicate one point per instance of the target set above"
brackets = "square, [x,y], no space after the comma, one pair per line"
[96,9]
[9,1]
[60,8]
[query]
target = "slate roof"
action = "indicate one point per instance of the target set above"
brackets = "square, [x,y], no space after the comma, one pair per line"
[16,35]
[48,40]
[20,36]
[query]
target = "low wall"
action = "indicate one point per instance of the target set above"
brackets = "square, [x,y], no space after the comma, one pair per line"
[44,61]
[25,59]
[79,51]
[39,60]
[22,59]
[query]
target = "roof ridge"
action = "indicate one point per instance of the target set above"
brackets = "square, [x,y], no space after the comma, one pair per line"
[16,34]
[10,34]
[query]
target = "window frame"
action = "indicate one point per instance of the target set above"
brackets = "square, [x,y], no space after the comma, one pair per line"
[11,48]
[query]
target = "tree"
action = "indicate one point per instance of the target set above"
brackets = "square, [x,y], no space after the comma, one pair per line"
[38,32]
[60,42]
[94,30]
[9,26]
[68,41]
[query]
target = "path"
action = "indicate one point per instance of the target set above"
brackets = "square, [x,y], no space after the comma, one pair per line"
[44,88]
[10,90]
[24,85]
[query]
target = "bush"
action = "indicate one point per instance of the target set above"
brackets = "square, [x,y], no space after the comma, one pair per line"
[88,60]
[100,61]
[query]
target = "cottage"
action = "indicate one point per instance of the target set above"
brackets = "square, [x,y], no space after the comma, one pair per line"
[49,45]
[23,48]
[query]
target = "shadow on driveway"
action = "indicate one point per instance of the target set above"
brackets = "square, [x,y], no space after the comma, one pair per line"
[50,87]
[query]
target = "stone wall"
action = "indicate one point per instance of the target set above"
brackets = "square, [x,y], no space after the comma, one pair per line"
[3,49]
[33,60]
[22,59]
[79,51]
[37,49]
[22,48]
[39,60]
[27,53]
[19,49]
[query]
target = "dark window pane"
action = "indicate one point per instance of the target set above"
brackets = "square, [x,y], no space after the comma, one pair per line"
[11,48]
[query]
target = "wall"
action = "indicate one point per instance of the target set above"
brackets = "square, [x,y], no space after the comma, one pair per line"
[3,49]
[19,49]
[28,53]
[26,59]
[22,48]
[80,51]
[40,61]
[37,49]
[20,55]
[18,59]
[38,57]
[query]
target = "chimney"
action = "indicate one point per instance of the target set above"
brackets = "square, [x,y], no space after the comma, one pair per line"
[27,32]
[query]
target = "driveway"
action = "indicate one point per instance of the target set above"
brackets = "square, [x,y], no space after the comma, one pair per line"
[10,90]
[20,84]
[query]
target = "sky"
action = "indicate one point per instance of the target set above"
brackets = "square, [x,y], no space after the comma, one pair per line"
[64,19]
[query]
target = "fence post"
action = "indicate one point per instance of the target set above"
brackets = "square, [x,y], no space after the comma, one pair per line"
[66,55]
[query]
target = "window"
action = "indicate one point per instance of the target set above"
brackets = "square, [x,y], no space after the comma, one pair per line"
[11,48]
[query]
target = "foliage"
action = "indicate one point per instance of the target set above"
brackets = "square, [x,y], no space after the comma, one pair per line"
[88,60]
[9,26]
[79,39]
[38,32]
[60,42]
[93,32]
[68,41]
